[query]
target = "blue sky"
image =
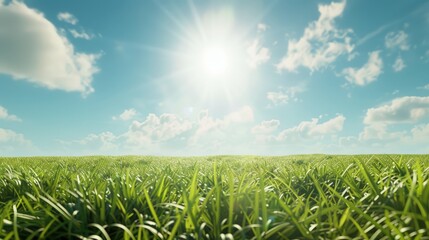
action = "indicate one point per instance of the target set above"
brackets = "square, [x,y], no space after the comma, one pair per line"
[213,77]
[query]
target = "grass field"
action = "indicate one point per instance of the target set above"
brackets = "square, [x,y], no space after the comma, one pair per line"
[222,197]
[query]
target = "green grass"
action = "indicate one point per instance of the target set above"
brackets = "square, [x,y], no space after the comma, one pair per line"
[223,197]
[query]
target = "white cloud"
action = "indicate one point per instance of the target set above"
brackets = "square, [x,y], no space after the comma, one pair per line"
[398,65]
[266,127]
[284,96]
[425,87]
[67,17]
[81,34]
[262,27]
[367,73]
[244,114]
[156,129]
[103,143]
[399,110]
[34,50]
[4,114]
[12,143]
[421,132]
[321,43]
[257,54]
[7,135]
[278,98]
[127,114]
[209,130]
[397,40]
[379,132]
[313,129]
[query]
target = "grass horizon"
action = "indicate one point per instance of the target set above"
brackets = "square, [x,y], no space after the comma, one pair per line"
[215,197]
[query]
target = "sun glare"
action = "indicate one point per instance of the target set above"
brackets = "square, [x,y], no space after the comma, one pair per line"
[211,59]
[215,60]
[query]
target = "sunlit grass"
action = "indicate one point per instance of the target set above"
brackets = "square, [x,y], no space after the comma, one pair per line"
[225,197]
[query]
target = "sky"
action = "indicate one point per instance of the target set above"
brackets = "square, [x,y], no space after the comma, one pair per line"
[183,77]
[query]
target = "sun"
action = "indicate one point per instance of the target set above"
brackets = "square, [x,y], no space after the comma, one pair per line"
[214,60]
[210,58]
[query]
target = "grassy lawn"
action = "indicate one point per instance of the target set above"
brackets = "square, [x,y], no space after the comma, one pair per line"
[218,197]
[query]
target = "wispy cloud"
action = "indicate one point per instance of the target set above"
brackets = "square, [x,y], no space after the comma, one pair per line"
[399,65]
[67,17]
[4,114]
[397,40]
[81,34]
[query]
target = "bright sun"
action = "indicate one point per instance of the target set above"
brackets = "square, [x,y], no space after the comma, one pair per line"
[212,59]
[215,60]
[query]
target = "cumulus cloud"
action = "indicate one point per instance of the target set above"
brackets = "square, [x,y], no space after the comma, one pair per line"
[4,114]
[379,132]
[278,98]
[367,73]
[313,129]
[67,17]
[34,50]
[81,34]
[380,123]
[321,42]
[156,129]
[257,54]
[209,129]
[399,110]
[7,135]
[266,127]
[397,40]
[127,114]
[262,27]
[284,96]
[398,65]
[11,142]
[420,132]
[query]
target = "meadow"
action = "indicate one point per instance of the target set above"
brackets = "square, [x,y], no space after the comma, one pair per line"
[216,197]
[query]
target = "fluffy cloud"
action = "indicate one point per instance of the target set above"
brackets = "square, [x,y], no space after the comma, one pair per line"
[379,132]
[266,127]
[127,114]
[4,114]
[209,129]
[81,34]
[397,40]
[403,109]
[67,17]
[367,73]
[284,96]
[156,129]
[34,50]
[11,142]
[313,129]
[321,43]
[7,135]
[420,132]
[262,27]
[278,98]
[398,65]
[257,54]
